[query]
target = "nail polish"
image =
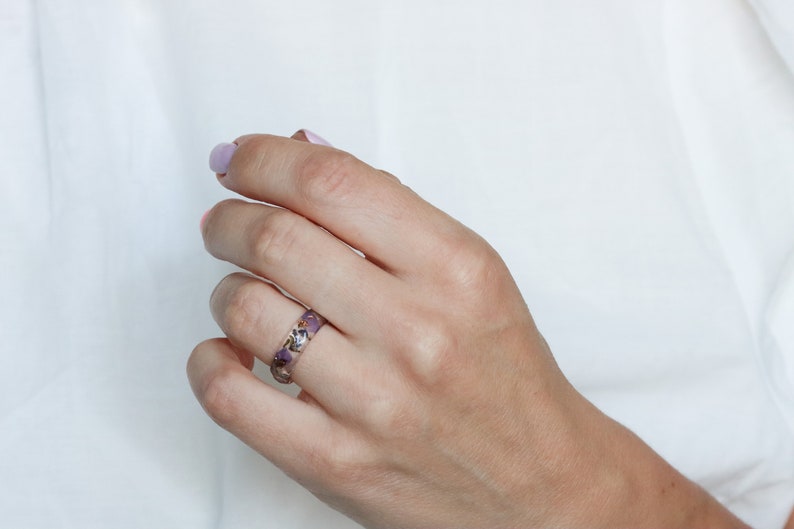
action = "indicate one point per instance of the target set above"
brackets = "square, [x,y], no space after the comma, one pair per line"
[220,157]
[315,138]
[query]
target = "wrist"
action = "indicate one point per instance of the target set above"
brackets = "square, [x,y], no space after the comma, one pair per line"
[630,485]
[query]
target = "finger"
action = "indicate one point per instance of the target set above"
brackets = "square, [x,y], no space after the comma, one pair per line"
[307,136]
[340,375]
[360,205]
[283,429]
[307,398]
[303,259]
[257,318]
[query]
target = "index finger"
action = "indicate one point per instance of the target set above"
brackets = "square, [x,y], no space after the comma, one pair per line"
[360,205]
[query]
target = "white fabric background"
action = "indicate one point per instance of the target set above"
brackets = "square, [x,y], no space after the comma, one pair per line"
[632,161]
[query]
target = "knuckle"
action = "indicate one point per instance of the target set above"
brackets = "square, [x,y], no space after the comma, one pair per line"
[242,309]
[471,266]
[392,418]
[349,467]
[327,175]
[430,347]
[272,238]
[390,176]
[217,396]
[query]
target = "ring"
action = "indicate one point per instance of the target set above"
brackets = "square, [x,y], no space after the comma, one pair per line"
[301,334]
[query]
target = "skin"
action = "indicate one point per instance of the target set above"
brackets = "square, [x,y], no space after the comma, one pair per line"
[430,399]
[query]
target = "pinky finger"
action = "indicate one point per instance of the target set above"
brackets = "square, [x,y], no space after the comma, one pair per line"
[285,430]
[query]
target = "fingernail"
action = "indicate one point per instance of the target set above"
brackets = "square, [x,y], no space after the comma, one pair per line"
[220,157]
[203,218]
[315,138]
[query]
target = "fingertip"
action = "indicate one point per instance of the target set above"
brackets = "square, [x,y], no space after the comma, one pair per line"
[204,219]
[278,426]
[196,364]
[217,372]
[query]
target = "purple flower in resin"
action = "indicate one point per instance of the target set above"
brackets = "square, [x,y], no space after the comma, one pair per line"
[282,358]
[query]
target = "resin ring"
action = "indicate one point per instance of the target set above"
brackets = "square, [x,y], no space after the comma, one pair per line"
[302,332]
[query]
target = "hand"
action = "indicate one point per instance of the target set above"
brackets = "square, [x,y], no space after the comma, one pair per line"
[430,399]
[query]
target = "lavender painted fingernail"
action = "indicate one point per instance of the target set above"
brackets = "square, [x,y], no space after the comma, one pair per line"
[220,157]
[315,138]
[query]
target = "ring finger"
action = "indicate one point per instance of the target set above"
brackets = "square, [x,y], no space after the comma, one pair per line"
[257,318]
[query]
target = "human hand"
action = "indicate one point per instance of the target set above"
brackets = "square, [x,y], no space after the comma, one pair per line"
[430,399]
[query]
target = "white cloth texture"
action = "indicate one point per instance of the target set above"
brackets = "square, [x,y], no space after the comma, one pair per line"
[632,161]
